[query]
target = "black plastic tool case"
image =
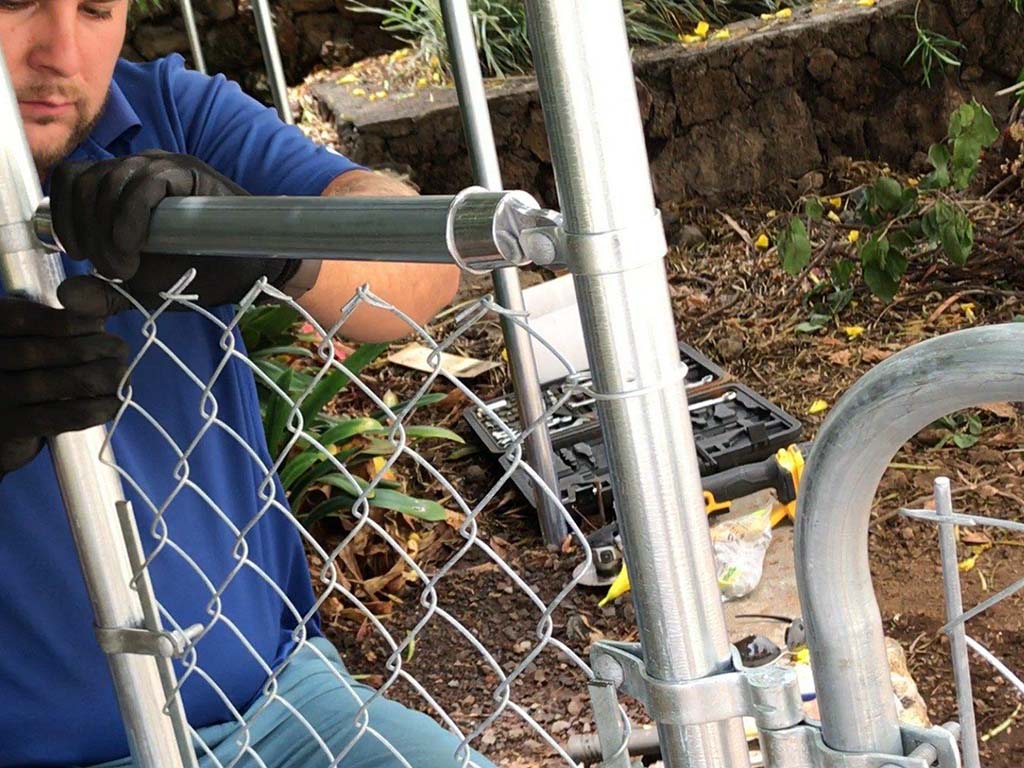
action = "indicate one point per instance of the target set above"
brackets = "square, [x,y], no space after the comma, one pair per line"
[732,426]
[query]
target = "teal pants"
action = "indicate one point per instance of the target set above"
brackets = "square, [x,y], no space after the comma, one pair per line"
[393,735]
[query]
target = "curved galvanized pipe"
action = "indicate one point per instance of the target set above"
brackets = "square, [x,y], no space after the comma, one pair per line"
[883,410]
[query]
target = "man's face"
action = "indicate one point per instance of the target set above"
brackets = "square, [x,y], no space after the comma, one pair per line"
[61,56]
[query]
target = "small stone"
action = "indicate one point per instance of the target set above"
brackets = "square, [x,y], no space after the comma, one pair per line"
[574,707]
[690,236]
[820,64]
[811,181]
[730,347]
[154,41]
[907,533]
[560,726]
[972,73]
[219,10]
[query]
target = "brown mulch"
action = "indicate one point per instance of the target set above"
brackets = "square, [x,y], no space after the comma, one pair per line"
[733,302]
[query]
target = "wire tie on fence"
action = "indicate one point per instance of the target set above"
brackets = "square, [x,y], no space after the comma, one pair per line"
[575,382]
[618,250]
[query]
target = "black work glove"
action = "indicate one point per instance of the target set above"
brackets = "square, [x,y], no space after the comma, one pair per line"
[59,370]
[102,210]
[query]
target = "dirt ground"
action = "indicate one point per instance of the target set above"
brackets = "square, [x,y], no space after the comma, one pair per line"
[734,303]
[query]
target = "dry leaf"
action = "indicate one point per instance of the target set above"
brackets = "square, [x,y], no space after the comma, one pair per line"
[1002,410]
[841,357]
[875,355]
[970,536]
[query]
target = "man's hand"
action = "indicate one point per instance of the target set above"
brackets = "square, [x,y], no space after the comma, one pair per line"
[102,212]
[59,370]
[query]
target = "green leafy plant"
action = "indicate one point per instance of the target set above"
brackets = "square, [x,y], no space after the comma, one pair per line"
[933,50]
[962,429]
[501,33]
[893,223]
[360,444]
[500,27]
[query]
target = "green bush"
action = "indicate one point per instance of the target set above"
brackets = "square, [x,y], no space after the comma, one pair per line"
[501,35]
[892,223]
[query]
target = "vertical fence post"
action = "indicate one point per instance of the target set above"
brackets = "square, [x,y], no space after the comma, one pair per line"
[476,122]
[615,246]
[90,489]
[272,58]
[193,35]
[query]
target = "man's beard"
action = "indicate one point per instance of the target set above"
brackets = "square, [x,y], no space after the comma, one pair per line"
[47,157]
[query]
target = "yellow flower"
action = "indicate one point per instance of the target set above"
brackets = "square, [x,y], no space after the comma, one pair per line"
[866,3]
[381,94]
[349,78]
[722,34]
[702,29]
[358,92]
[401,53]
[421,83]
[762,242]
[785,13]
[853,331]
[836,202]
[913,181]
[968,310]
[691,38]
[834,217]
[854,235]
[767,16]
[818,406]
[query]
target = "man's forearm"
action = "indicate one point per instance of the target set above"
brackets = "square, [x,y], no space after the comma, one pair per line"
[419,290]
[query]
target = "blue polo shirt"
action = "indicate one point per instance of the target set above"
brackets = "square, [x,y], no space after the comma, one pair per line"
[57,705]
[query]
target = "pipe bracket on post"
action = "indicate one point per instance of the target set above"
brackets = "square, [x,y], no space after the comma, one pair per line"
[802,746]
[769,694]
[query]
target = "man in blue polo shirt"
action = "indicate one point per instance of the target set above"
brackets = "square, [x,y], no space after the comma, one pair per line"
[135,134]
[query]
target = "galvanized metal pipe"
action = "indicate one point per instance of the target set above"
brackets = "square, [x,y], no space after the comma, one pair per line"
[90,489]
[615,249]
[272,58]
[958,632]
[873,420]
[193,36]
[477,230]
[476,122]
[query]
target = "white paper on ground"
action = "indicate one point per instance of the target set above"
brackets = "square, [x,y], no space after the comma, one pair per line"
[417,357]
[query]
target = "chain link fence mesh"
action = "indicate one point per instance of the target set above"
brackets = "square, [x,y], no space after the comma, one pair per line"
[411,576]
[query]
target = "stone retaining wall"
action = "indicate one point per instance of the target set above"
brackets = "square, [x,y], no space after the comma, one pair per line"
[309,32]
[732,117]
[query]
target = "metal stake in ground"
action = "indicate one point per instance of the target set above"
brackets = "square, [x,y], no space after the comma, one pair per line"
[476,121]
[193,36]
[958,632]
[272,58]
[90,489]
[615,246]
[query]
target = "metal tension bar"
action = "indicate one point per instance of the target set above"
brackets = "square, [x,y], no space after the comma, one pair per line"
[769,694]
